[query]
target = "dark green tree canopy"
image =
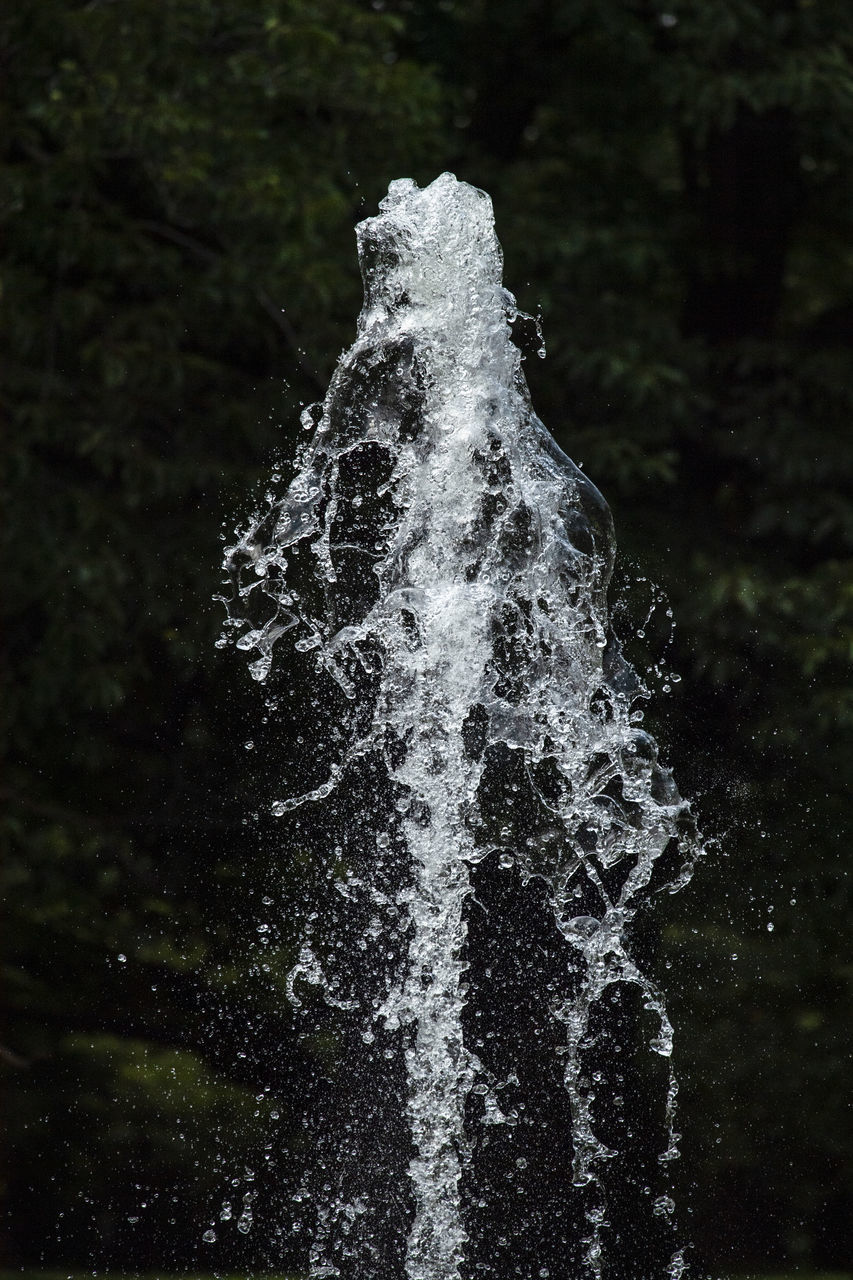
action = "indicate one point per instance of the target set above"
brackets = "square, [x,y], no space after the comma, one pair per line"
[674,192]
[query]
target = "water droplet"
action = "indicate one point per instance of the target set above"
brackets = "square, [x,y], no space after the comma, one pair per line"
[583,927]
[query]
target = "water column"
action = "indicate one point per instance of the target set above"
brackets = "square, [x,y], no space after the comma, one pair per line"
[461,321]
[440,1068]
[446,567]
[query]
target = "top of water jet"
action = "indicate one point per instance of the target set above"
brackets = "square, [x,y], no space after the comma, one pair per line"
[431,259]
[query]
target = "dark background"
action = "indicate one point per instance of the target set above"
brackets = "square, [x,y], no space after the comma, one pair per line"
[673,187]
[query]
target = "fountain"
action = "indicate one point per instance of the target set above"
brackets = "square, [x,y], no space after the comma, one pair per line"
[492,819]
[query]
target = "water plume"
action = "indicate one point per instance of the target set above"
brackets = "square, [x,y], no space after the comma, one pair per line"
[497,815]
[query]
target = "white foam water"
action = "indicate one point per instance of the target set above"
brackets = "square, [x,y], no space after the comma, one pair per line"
[447,566]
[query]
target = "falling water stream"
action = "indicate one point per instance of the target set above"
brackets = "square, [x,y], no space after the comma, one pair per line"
[499,819]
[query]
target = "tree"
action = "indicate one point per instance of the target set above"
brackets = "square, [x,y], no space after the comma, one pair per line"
[175,177]
[672,189]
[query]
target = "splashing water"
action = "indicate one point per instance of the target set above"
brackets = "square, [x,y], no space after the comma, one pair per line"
[498,817]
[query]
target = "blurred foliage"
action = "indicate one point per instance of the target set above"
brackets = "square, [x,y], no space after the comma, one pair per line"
[674,191]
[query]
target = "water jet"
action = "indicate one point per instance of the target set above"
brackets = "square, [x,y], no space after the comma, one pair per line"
[496,820]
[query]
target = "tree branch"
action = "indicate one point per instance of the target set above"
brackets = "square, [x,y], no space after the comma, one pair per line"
[274,313]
